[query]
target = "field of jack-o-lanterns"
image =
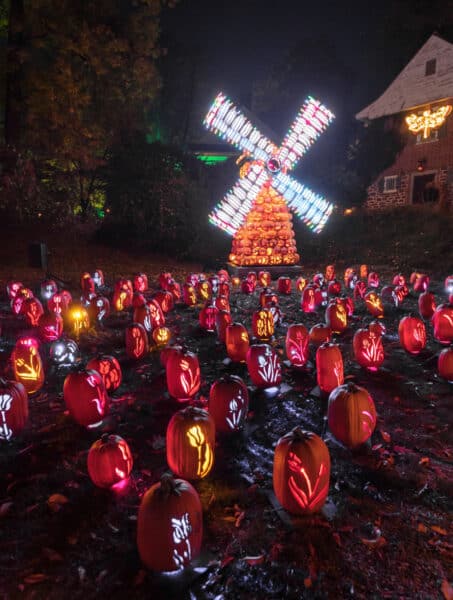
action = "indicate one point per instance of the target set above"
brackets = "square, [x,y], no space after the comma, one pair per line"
[206,436]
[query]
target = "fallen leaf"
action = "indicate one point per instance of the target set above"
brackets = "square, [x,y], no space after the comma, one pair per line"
[377,543]
[56,501]
[308,582]
[385,436]
[438,529]
[254,560]
[422,528]
[424,460]
[35,578]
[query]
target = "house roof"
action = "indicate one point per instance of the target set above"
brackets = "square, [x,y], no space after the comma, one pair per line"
[412,87]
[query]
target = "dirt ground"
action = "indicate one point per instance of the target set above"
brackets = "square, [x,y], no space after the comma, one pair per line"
[385,531]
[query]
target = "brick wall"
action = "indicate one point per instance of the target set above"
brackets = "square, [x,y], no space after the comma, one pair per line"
[437,156]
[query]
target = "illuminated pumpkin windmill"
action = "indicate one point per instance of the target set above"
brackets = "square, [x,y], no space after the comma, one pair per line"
[256,210]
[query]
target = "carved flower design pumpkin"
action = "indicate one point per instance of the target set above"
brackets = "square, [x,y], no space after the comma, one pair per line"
[360,290]
[85,397]
[374,305]
[156,313]
[412,334]
[50,327]
[18,300]
[368,349]
[190,443]
[183,375]
[12,287]
[329,367]
[59,302]
[48,288]
[140,282]
[301,283]
[311,299]
[222,320]
[421,282]
[222,303]
[170,512]
[263,324]
[13,409]
[99,308]
[301,471]
[263,366]
[264,278]
[373,280]
[32,310]
[207,317]
[189,295]
[399,279]
[351,414]
[247,286]
[109,461]
[426,305]
[122,298]
[284,285]
[64,352]
[27,364]
[204,291]
[175,290]
[98,278]
[109,369]
[237,342]
[142,315]
[443,323]
[445,364]
[161,336]
[296,344]
[228,403]
[336,316]
[334,288]
[136,340]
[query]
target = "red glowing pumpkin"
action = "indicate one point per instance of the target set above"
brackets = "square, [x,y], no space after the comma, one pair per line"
[373,280]
[142,315]
[12,287]
[443,323]
[334,288]
[301,471]
[99,308]
[296,344]
[47,289]
[85,397]
[59,303]
[140,282]
[32,310]
[163,280]
[27,364]
[207,317]
[228,403]
[190,443]
[247,286]
[13,409]
[412,334]
[329,367]
[263,366]
[50,327]
[222,320]
[222,303]
[263,324]
[374,305]
[170,511]
[311,299]
[189,295]
[264,278]
[237,342]
[368,349]
[183,375]
[445,364]
[165,300]
[336,316]
[359,290]
[351,414]
[18,300]
[448,285]
[109,369]
[136,340]
[109,461]
[329,273]
[284,285]
[399,280]
[175,290]
[421,282]
[319,334]
[426,305]
[156,314]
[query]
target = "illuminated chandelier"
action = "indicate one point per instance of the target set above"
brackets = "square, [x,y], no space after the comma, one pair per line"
[255,211]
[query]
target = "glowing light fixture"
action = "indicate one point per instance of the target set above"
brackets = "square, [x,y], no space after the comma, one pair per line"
[428,120]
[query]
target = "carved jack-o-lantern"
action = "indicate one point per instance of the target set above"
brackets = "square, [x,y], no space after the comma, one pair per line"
[264,278]
[263,324]
[47,289]
[443,323]
[222,320]
[207,317]
[399,279]
[59,302]
[347,274]
[175,290]
[12,287]
[136,340]
[109,461]
[301,283]
[311,299]
[360,290]
[189,294]
[204,291]
[138,299]
[351,414]
[163,280]
[248,286]
[224,289]
[421,282]
[98,278]
[329,273]
[183,375]
[156,314]
[109,369]
[363,271]
[214,281]
[267,296]
[165,300]
[448,285]
[236,282]
[223,276]
[140,282]
[222,303]
[78,319]
[228,403]
[161,336]
[329,367]
[445,364]
[296,344]
[301,471]
[122,298]
[237,342]
[374,305]
[191,442]
[85,397]
[412,334]
[32,310]
[284,285]
[263,366]
[373,280]
[336,316]
[319,334]
[368,349]
[318,279]
[27,364]
[88,286]
[99,308]
[142,315]
[170,512]
[334,288]
[426,305]
[50,327]
[13,409]
[64,352]
[17,302]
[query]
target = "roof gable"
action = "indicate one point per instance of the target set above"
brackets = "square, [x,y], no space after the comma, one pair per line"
[412,87]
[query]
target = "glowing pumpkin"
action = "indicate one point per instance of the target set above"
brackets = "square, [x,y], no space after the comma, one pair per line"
[222,320]
[32,310]
[140,282]
[165,300]
[64,352]
[228,403]
[360,290]
[79,320]
[47,289]
[247,286]
[207,317]
[264,278]
[12,287]
[329,367]
[421,282]
[448,285]
[170,511]
[351,414]
[99,308]
[319,334]
[301,284]
[190,443]
[109,369]
[263,366]
[296,344]
[237,342]
[222,303]
[443,323]
[27,364]
[426,305]
[284,285]
[412,334]
[263,324]
[59,303]
[85,397]
[363,271]
[183,375]
[329,273]
[399,279]
[334,288]
[189,294]
[301,472]
[374,305]
[161,336]
[13,409]
[109,461]
[136,340]
[368,349]
[18,300]
[204,291]
[373,280]
[336,316]
[445,364]
[50,327]
[163,279]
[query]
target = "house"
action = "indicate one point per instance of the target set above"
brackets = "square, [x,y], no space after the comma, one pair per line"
[419,104]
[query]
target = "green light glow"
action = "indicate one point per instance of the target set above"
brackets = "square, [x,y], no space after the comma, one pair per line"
[212,159]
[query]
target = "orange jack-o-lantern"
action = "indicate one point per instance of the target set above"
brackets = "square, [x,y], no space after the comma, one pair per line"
[47,289]
[140,282]
[99,308]
[442,321]
[207,317]
[79,320]
[161,336]
[222,303]
[191,443]
[27,364]
[351,414]
[264,278]
[165,300]
[445,364]
[329,273]
[85,397]
[412,334]
[237,342]
[426,305]
[222,320]
[421,282]
[374,304]
[360,290]
[136,340]
[247,286]
[319,334]
[301,283]
[142,315]
[399,279]
[32,310]
[284,285]
[109,461]
[50,327]
[109,369]
[59,303]
[296,344]
[301,471]
[155,313]
[263,366]
[224,289]
[399,293]
[122,298]
[373,280]
[263,324]
[13,409]
[347,274]
[311,299]
[236,282]
[12,287]
[163,279]
[171,512]
[228,403]
[189,294]
[329,367]
[18,300]
[363,271]
[183,375]
[368,349]
[336,316]
[334,288]
[204,291]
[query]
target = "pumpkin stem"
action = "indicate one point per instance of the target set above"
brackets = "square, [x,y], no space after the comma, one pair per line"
[299,433]
[168,485]
[105,438]
[351,387]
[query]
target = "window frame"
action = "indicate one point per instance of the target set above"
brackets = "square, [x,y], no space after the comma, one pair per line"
[394,180]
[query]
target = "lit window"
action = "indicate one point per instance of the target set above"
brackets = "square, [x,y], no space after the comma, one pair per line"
[430,67]
[390,184]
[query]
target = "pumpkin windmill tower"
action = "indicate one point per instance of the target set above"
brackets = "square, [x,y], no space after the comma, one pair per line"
[256,211]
